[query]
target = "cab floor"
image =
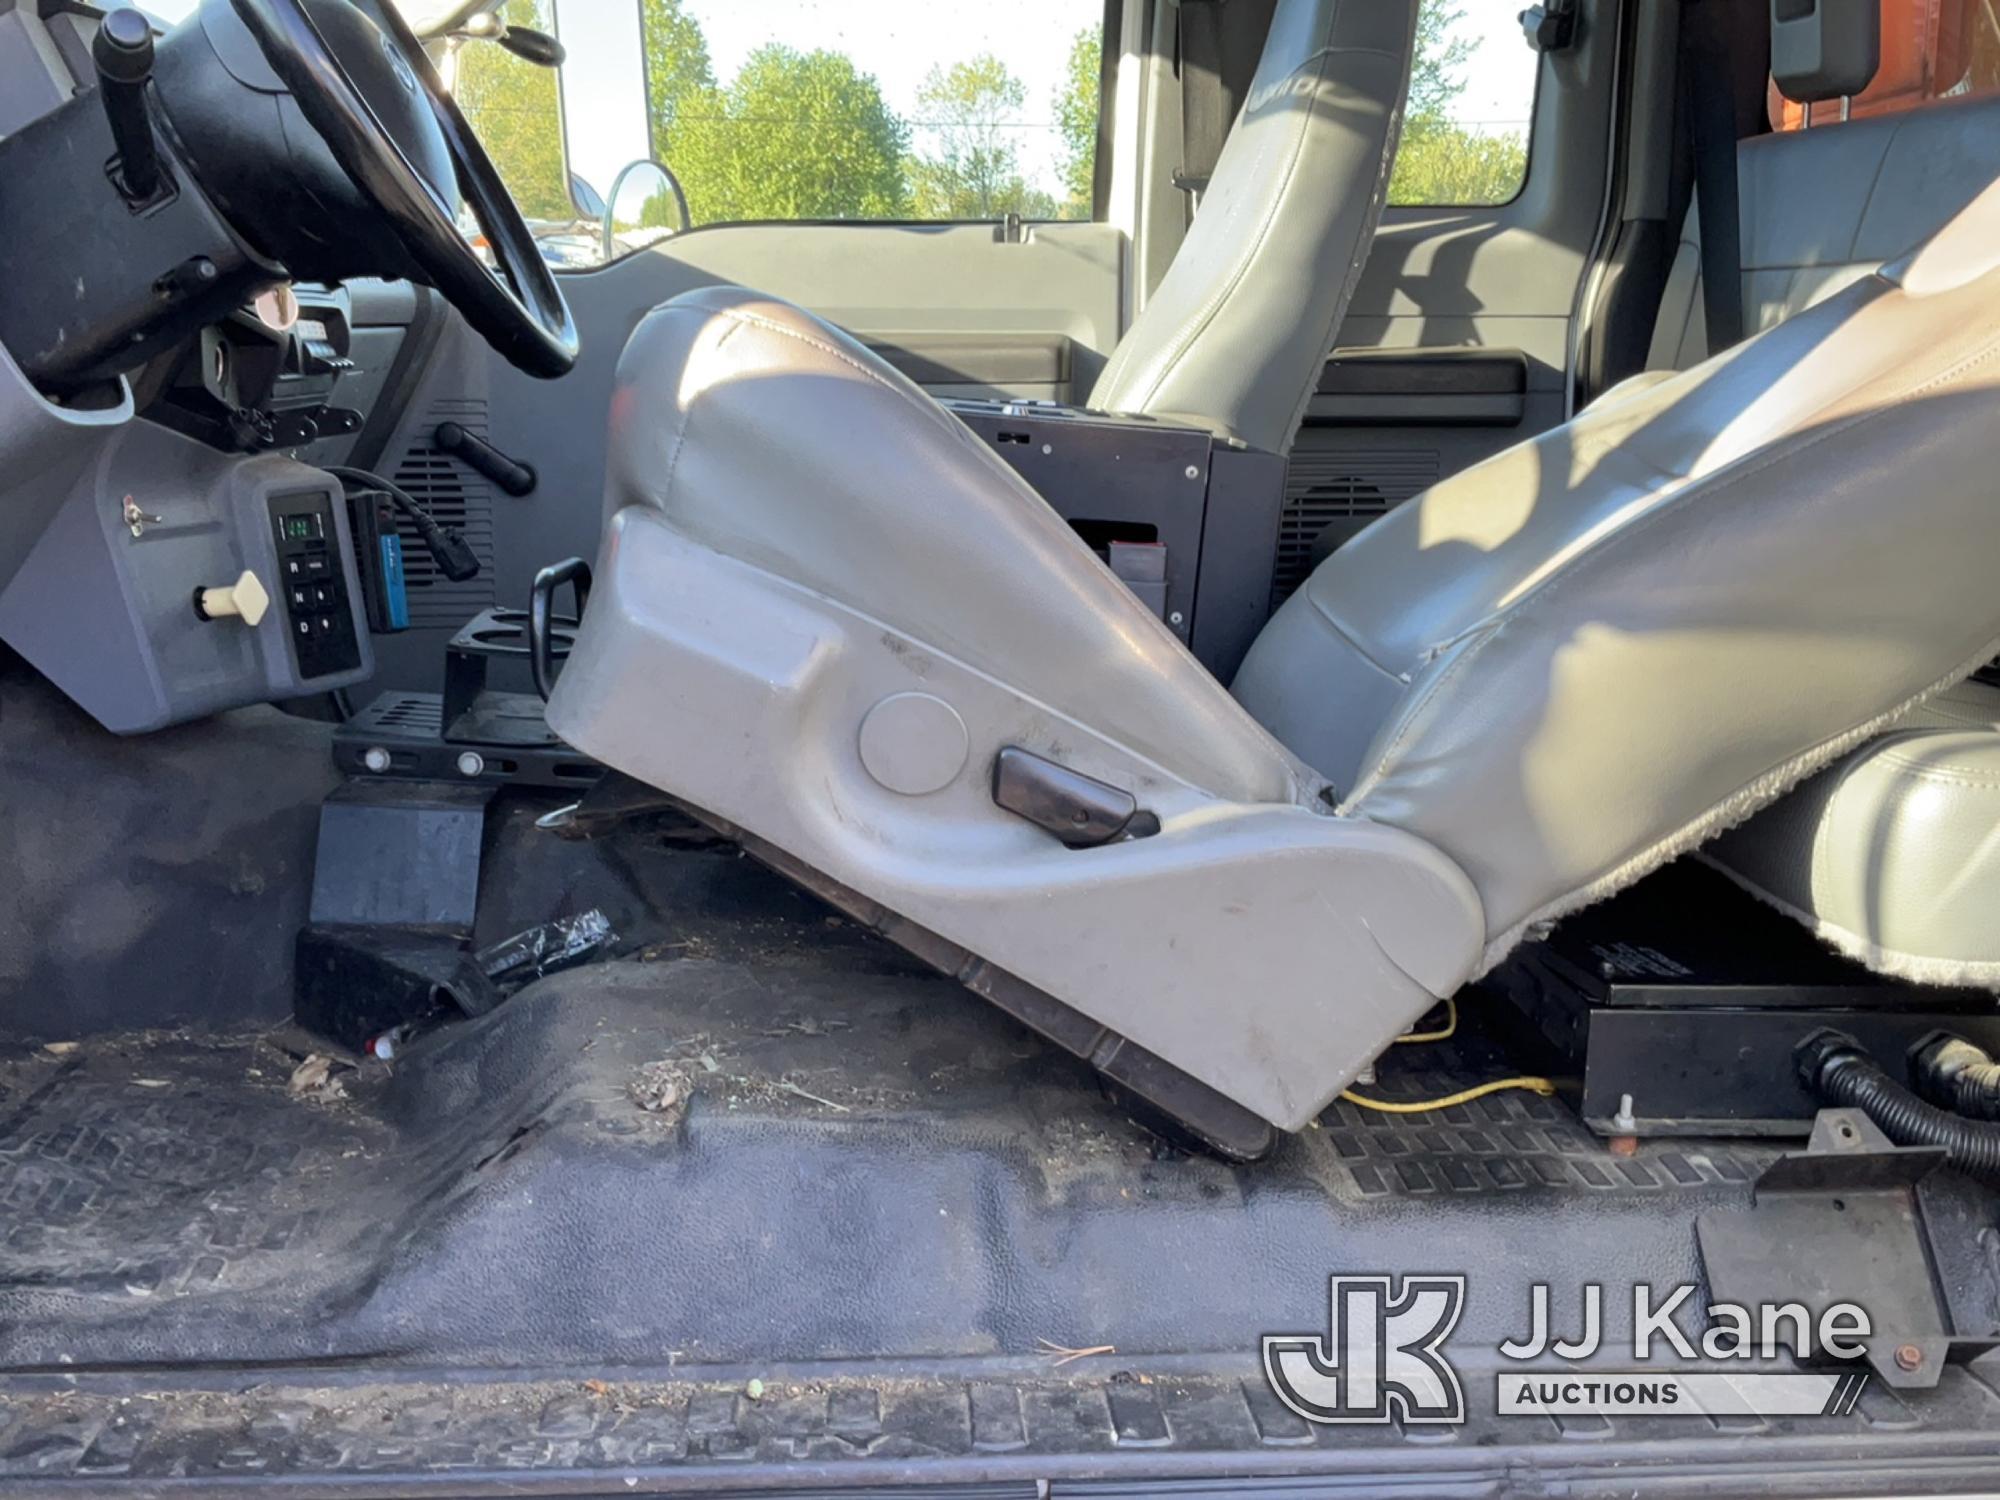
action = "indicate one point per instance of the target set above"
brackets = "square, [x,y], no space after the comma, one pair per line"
[678,1160]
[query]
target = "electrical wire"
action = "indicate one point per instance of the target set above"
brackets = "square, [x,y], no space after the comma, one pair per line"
[1532,1085]
[1540,1086]
[448,548]
[1444,1033]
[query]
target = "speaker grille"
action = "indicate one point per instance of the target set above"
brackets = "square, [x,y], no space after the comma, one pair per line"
[1341,484]
[459,498]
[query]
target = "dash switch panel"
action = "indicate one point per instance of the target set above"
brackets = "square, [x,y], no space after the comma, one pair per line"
[312,585]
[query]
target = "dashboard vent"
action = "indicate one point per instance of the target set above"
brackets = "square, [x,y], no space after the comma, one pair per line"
[459,498]
[1344,487]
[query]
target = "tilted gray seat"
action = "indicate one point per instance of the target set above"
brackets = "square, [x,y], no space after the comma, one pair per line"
[1236,334]
[1893,854]
[824,610]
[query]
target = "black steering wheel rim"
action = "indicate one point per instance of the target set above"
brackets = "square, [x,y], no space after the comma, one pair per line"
[519,308]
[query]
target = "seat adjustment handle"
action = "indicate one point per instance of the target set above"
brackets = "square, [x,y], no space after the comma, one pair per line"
[1080,810]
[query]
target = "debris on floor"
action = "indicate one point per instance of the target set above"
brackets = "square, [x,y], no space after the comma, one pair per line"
[548,949]
[317,1080]
[661,1088]
[1061,1354]
[730,1077]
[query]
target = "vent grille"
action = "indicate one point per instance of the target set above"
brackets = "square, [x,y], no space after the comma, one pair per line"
[1341,485]
[459,498]
[413,713]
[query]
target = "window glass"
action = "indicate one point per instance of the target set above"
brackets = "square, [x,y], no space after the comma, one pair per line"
[1472,101]
[516,108]
[1931,49]
[825,109]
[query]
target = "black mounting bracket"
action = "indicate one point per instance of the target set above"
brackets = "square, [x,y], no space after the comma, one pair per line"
[1550,27]
[1848,1220]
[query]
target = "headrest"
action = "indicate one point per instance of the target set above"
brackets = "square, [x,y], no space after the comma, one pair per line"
[1824,49]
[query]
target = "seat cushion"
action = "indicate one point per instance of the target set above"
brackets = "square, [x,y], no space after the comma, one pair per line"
[1893,854]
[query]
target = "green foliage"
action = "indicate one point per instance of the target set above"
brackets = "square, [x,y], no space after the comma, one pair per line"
[970,125]
[807,135]
[1077,103]
[1436,76]
[677,69]
[1443,163]
[513,106]
[796,135]
[1439,161]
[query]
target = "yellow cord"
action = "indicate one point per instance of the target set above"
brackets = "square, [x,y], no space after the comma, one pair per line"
[1445,1032]
[1540,1086]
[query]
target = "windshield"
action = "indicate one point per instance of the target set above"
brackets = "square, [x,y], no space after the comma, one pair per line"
[425,16]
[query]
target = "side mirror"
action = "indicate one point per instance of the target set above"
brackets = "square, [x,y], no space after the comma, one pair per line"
[537,47]
[645,204]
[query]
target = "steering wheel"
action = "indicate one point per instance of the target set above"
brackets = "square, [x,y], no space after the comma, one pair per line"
[515,305]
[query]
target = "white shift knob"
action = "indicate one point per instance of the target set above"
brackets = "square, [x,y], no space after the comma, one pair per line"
[245,598]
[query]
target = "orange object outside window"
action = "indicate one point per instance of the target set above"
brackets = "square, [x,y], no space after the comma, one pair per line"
[1930,49]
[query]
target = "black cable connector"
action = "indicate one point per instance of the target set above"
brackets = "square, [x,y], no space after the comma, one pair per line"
[448,548]
[1834,1068]
[1952,1072]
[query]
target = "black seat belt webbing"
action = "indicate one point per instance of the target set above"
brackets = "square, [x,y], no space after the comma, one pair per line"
[1711,102]
[1206,107]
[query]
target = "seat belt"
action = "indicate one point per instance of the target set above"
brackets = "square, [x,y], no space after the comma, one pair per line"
[1220,44]
[1206,108]
[1709,75]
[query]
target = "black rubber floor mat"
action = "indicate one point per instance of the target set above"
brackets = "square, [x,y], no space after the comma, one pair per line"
[650,1165]
[1122,1428]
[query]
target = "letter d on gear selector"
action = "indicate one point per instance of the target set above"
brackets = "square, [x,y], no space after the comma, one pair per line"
[1381,1359]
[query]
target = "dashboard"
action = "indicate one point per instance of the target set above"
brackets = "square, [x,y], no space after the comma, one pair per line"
[171,543]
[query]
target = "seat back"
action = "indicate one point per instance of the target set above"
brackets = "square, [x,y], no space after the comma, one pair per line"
[1823,208]
[1236,335]
[832,620]
[1566,665]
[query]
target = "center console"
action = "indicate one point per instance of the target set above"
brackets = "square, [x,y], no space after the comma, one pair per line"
[1187,520]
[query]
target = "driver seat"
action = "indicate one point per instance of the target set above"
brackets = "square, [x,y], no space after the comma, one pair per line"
[835,623]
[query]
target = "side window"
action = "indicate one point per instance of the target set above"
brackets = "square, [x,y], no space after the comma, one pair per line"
[897,109]
[516,108]
[1931,49]
[1471,105]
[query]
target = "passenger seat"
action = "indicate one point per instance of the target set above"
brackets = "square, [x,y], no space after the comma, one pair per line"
[1893,854]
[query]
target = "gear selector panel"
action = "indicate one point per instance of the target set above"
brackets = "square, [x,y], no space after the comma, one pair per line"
[312,585]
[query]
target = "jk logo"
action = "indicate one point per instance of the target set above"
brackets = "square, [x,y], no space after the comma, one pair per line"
[1382,1358]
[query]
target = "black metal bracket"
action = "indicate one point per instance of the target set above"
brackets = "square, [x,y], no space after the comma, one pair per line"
[1846,1220]
[1550,27]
